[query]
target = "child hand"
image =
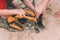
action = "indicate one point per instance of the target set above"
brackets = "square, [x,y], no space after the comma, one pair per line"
[38,12]
[20,12]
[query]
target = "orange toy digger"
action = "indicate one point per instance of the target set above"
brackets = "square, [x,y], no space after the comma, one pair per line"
[18,22]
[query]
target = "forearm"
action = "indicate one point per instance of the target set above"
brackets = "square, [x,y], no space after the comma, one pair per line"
[28,4]
[41,6]
[6,12]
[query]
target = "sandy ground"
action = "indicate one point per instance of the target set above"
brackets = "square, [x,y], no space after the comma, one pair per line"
[51,31]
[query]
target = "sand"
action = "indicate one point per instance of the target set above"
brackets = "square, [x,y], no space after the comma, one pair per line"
[51,31]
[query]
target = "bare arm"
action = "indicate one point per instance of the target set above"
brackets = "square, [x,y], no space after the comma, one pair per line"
[7,12]
[41,6]
[28,4]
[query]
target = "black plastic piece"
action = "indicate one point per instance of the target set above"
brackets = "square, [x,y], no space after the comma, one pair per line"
[40,21]
[22,20]
[37,30]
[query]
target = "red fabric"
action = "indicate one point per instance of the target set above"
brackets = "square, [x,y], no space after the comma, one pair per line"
[2,4]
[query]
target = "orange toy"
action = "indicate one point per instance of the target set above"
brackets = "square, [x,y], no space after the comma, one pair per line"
[13,20]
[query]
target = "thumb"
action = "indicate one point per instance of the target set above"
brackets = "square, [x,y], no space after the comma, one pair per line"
[36,16]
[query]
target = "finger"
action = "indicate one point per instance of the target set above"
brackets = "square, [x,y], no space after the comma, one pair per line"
[43,16]
[36,16]
[21,16]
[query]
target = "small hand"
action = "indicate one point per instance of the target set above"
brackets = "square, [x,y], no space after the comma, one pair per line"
[20,12]
[39,12]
